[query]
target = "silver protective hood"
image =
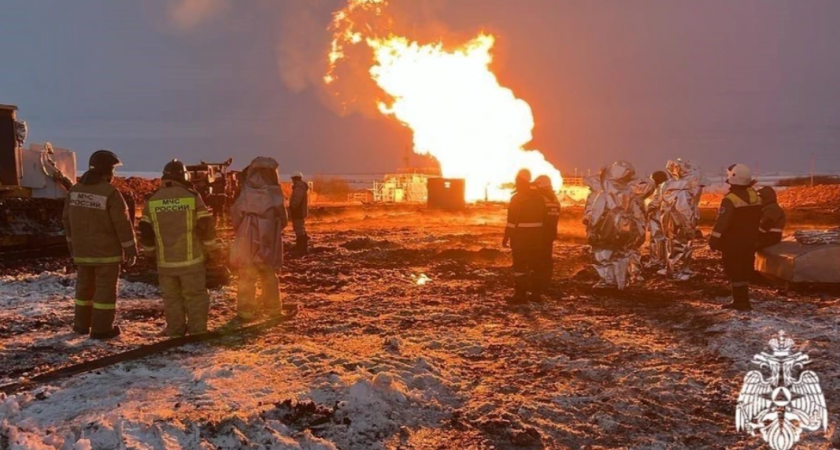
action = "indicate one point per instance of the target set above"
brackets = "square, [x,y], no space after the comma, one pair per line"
[615,223]
[679,214]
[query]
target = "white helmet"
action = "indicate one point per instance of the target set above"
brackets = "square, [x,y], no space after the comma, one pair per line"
[297,175]
[739,175]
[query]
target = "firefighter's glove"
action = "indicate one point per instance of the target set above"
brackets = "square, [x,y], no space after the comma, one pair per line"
[213,250]
[505,242]
[131,256]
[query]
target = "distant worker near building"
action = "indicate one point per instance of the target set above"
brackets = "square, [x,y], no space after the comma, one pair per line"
[525,232]
[259,218]
[658,251]
[552,218]
[179,231]
[773,218]
[735,233]
[101,238]
[298,212]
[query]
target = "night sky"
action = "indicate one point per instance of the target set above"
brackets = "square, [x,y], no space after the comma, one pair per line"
[717,81]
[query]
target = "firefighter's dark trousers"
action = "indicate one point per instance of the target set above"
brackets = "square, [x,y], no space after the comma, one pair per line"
[545,267]
[248,305]
[96,298]
[186,302]
[738,265]
[527,264]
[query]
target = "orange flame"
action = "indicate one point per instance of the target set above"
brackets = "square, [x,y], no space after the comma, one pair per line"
[451,100]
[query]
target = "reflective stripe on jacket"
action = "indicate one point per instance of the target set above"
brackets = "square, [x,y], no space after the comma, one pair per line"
[97,223]
[177,225]
[738,221]
[526,219]
[552,214]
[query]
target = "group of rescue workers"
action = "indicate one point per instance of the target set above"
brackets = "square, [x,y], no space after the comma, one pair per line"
[177,230]
[748,220]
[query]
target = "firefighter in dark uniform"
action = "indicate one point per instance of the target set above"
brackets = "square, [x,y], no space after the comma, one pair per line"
[773,218]
[552,217]
[101,237]
[526,234]
[736,234]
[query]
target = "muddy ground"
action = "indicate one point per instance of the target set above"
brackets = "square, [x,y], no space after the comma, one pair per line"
[375,360]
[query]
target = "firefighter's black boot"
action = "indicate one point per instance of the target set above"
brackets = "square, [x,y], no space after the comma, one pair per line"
[305,248]
[516,299]
[519,297]
[536,296]
[740,299]
[298,245]
[106,335]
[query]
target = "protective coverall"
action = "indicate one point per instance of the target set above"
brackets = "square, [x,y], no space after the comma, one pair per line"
[100,236]
[298,212]
[679,216]
[259,217]
[615,224]
[177,229]
[773,218]
[552,217]
[735,234]
[525,230]
[658,255]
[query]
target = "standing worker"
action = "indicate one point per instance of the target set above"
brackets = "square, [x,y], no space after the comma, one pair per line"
[552,217]
[101,237]
[259,217]
[526,235]
[178,230]
[298,211]
[658,251]
[773,218]
[736,233]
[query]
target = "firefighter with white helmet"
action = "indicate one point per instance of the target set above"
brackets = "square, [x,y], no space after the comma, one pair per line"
[736,233]
[101,237]
[298,212]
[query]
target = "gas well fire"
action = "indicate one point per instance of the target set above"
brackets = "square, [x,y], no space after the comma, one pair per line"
[450,99]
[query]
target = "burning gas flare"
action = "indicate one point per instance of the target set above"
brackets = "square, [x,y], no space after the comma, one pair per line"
[451,100]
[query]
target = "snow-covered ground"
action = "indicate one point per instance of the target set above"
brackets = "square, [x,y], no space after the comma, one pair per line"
[375,360]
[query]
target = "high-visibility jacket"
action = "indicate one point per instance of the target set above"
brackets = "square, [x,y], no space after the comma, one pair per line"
[176,226]
[97,223]
[738,220]
[526,217]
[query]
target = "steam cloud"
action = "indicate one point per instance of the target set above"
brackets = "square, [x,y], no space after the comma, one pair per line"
[187,14]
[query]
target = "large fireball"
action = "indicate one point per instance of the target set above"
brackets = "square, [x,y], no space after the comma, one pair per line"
[451,100]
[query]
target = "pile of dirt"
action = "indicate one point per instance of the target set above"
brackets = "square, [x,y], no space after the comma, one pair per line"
[827,196]
[798,197]
[138,189]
